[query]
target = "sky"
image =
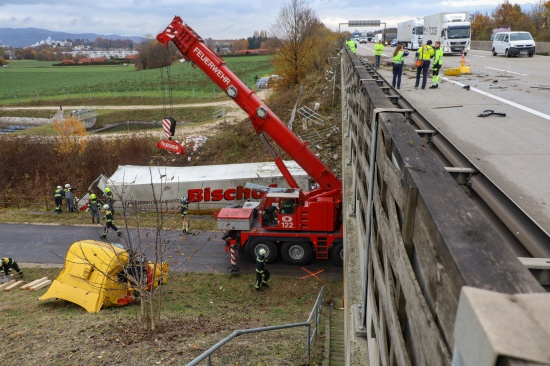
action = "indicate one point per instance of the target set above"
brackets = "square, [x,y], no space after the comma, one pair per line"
[218,19]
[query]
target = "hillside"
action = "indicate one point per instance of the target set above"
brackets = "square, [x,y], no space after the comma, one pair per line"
[24,37]
[239,143]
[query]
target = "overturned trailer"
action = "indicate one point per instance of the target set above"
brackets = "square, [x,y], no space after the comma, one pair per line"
[207,187]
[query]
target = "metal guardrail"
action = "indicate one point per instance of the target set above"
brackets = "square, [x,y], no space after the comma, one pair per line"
[314,315]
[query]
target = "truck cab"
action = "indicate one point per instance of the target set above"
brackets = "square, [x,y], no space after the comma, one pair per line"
[452,30]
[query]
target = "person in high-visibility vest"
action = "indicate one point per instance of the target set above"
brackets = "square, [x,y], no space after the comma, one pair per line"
[7,264]
[438,62]
[262,274]
[397,65]
[378,49]
[110,223]
[351,44]
[425,53]
[58,195]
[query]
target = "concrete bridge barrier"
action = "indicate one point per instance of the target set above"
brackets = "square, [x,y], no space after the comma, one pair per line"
[422,264]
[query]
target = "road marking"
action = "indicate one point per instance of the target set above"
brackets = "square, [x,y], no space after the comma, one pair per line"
[513,104]
[511,72]
[311,274]
[470,55]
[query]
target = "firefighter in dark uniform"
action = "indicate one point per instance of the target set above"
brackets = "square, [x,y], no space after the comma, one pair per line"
[288,206]
[109,199]
[262,274]
[58,195]
[184,211]
[94,207]
[109,224]
[7,264]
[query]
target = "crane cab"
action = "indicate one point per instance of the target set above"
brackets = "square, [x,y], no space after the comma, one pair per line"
[291,210]
[281,210]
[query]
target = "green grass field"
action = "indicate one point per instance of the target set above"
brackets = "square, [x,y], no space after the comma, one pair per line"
[30,81]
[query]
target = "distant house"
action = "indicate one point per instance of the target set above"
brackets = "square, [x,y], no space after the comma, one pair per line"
[131,57]
[258,51]
[68,61]
[93,60]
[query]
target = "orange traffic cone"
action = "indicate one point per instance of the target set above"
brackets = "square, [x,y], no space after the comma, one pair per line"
[463,68]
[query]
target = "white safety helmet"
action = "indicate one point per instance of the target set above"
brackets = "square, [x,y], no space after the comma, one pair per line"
[262,251]
[183,199]
[67,185]
[59,187]
[105,207]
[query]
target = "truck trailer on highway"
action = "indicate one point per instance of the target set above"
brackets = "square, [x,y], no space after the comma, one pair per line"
[409,33]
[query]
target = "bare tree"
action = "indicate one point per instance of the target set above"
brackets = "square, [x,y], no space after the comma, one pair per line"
[146,277]
[294,31]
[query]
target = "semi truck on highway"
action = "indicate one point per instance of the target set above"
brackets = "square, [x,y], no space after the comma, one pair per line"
[409,33]
[453,30]
[294,222]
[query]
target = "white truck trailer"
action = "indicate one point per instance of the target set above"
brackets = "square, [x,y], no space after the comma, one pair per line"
[453,30]
[410,32]
[208,187]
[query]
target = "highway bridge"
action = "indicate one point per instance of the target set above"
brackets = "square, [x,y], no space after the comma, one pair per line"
[447,214]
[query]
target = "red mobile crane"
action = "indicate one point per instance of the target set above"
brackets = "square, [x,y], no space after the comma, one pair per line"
[293,221]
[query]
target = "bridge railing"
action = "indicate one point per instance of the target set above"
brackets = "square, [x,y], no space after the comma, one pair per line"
[425,254]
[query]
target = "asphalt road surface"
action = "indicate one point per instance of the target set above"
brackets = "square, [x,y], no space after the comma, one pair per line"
[198,252]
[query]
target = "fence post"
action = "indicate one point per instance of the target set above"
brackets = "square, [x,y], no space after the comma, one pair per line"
[308,342]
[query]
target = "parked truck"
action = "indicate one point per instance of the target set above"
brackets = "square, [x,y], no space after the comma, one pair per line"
[297,223]
[389,37]
[409,33]
[453,30]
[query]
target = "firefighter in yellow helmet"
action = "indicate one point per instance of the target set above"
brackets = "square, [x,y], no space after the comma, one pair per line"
[94,206]
[58,195]
[7,264]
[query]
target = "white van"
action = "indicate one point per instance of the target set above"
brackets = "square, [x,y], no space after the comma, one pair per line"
[513,44]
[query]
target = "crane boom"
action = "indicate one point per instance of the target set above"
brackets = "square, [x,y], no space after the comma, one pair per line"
[263,119]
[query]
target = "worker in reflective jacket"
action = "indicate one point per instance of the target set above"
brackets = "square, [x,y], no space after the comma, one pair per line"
[425,53]
[58,195]
[110,223]
[351,44]
[7,264]
[378,49]
[438,62]
[397,62]
[262,274]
